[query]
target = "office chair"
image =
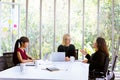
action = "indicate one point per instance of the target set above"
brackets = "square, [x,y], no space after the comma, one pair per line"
[76,54]
[46,56]
[111,75]
[2,63]
[114,62]
[9,59]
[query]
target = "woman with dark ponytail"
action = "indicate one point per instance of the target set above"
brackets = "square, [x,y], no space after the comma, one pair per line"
[20,55]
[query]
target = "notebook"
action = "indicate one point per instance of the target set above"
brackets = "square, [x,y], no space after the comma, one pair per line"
[52,69]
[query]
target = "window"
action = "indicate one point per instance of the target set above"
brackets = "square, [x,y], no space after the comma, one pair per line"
[90,29]
[33,27]
[9,26]
[76,8]
[117,31]
[47,27]
[61,20]
[22,28]
[83,19]
[106,23]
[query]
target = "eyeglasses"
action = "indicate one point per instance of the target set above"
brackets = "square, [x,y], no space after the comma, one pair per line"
[67,39]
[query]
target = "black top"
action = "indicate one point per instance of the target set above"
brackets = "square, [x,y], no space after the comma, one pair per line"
[96,61]
[69,50]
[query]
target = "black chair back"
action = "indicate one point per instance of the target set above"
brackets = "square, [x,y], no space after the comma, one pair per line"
[2,63]
[9,59]
[114,62]
[110,73]
[76,54]
[106,66]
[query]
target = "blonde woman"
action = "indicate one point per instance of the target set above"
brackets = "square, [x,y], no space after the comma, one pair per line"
[67,47]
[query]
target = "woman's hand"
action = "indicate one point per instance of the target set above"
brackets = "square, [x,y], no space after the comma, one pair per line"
[83,52]
[85,61]
[67,59]
[30,60]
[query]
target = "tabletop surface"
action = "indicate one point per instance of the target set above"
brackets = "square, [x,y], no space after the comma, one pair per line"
[68,71]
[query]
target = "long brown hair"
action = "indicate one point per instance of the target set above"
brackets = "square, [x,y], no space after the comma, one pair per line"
[101,45]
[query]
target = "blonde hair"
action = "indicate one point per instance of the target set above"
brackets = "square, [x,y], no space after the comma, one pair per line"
[64,37]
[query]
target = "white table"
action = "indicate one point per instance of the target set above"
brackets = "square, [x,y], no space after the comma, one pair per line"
[68,71]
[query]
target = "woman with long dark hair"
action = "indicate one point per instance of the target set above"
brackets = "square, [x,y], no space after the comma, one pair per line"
[97,59]
[20,55]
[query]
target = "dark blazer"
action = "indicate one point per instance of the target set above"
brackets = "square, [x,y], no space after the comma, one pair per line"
[96,61]
[69,50]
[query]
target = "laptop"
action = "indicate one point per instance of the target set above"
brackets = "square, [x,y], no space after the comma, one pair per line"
[57,56]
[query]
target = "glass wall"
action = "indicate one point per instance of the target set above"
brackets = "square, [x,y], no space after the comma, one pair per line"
[47,26]
[117,31]
[76,8]
[33,27]
[46,22]
[106,22]
[90,29]
[61,20]
[22,28]
[9,26]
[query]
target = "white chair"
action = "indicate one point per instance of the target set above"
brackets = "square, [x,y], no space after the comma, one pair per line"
[46,56]
[57,56]
[100,79]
